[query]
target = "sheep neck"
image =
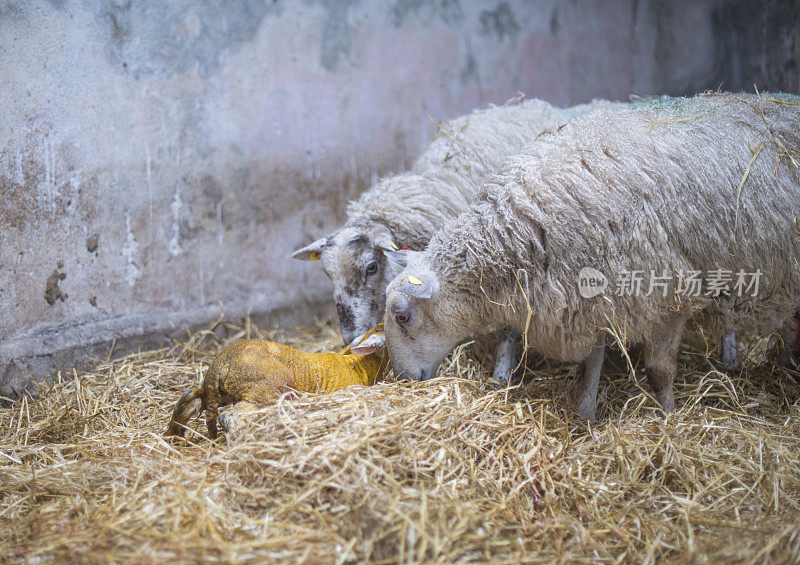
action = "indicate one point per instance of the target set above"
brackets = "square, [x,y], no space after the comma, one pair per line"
[477,261]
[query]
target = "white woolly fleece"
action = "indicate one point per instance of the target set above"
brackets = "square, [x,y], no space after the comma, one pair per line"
[641,187]
[446,179]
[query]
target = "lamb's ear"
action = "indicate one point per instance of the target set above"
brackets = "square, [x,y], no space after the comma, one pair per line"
[400,257]
[311,252]
[385,244]
[423,287]
[368,345]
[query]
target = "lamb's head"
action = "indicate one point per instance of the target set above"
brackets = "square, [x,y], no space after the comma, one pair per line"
[421,323]
[353,259]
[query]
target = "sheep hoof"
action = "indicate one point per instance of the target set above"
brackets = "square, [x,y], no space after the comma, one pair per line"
[507,366]
[729,356]
[667,401]
[496,383]
[502,377]
[586,406]
[507,369]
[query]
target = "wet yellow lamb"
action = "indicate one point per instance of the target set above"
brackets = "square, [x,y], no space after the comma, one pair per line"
[258,371]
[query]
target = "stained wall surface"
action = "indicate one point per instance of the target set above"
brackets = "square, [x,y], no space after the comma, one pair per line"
[161,159]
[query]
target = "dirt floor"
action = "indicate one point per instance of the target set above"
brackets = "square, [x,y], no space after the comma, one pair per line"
[451,470]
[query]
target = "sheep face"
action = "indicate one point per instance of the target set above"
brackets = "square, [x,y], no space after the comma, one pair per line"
[417,343]
[353,259]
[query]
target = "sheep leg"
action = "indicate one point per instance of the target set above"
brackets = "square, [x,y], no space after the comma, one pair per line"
[507,359]
[794,342]
[729,355]
[661,360]
[790,335]
[587,386]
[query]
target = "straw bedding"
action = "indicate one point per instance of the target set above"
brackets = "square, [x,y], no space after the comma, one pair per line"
[450,470]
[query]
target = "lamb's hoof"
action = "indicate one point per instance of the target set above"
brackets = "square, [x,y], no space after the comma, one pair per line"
[228,422]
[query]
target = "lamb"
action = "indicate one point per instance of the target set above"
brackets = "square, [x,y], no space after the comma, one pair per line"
[668,188]
[257,371]
[408,208]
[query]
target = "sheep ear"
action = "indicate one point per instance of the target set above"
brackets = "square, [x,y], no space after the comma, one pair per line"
[368,345]
[311,252]
[400,257]
[422,287]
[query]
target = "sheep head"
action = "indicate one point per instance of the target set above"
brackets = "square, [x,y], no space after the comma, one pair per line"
[415,304]
[352,257]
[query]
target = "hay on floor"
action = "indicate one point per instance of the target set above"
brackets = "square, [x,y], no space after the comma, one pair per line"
[449,470]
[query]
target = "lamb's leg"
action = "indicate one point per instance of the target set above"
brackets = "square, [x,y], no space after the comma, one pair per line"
[661,360]
[586,400]
[188,406]
[730,351]
[211,406]
[507,358]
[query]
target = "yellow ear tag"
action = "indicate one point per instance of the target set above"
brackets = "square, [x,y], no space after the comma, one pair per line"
[394,245]
[414,280]
[313,256]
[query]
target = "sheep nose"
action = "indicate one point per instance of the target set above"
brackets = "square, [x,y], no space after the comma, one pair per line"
[403,376]
[406,376]
[346,321]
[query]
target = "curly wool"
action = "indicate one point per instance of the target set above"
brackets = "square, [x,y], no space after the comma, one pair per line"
[651,186]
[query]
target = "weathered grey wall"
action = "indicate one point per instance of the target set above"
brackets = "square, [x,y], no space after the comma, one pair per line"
[158,158]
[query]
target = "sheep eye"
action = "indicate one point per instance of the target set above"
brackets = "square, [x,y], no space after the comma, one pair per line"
[401,318]
[372,268]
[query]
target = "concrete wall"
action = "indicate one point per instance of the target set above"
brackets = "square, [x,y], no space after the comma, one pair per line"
[158,158]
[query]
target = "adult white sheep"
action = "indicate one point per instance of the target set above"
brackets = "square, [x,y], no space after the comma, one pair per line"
[674,186]
[406,209]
